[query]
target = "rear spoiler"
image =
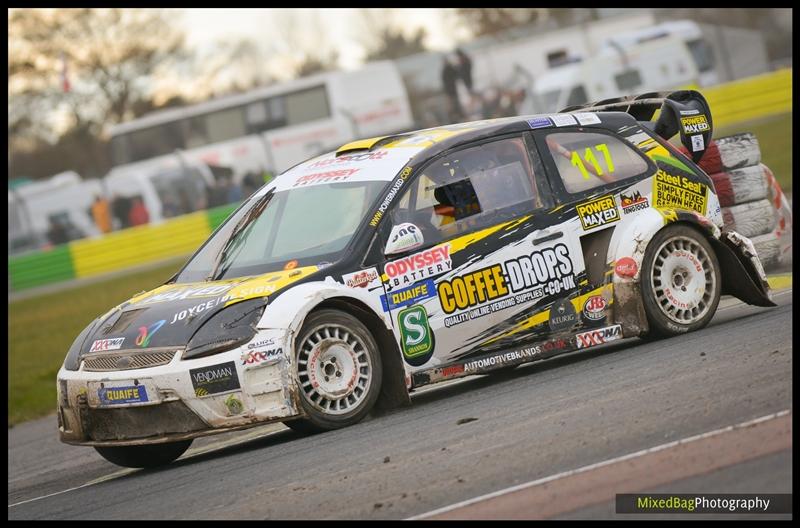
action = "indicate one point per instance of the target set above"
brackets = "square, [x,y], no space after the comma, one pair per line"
[682,111]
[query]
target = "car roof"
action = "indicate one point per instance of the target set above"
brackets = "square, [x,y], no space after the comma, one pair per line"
[437,139]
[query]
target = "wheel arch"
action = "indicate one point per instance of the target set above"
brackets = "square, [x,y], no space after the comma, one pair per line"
[290,310]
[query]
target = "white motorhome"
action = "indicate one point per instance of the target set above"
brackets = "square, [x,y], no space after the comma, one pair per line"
[661,64]
[63,198]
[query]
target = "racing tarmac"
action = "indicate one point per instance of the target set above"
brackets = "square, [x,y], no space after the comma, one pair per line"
[544,421]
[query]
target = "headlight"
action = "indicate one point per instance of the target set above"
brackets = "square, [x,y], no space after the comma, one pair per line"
[227,329]
[73,359]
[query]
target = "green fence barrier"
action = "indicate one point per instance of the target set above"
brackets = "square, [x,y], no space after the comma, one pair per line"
[43,267]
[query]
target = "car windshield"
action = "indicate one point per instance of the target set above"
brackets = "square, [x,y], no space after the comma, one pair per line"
[283,229]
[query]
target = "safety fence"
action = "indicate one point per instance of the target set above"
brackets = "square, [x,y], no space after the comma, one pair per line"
[115,251]
[737,101]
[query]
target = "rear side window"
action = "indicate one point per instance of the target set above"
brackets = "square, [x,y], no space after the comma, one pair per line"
[586,160]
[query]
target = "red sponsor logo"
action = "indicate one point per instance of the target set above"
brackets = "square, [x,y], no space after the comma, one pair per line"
[380,154]
[452,371]
[595,308]
[598,337]
[362,279]
[107,344]
[420,260]
[259,356]
[626,267]
[325,177]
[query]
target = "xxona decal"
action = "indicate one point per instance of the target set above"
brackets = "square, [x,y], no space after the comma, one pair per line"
[416,337]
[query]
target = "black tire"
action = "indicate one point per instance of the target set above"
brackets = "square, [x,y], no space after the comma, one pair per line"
[671,281]
[144,456]
[337,364]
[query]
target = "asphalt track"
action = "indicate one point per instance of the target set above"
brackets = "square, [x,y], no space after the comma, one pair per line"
[565,434]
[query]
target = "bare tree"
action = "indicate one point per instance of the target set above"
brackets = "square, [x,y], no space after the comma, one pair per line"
[483,21]
[303,43]
[109,56]
[383,37]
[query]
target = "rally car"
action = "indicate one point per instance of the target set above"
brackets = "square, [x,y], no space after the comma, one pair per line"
[360,275]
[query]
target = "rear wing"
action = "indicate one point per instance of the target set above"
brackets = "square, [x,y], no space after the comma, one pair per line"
[682,111]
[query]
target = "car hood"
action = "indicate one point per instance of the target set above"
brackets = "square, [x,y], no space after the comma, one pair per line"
[169,315]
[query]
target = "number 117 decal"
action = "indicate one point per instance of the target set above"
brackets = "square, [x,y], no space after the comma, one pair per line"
[591,159]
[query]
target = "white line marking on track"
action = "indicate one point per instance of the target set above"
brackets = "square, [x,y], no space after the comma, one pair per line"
[189,454]
[599,464]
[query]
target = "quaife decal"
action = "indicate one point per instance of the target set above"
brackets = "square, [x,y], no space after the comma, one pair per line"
[214,379]
[678,191]
[416,338]
[408,296]
[368,278]
[107,344]
[419,266]
[120,395]
[695,124]
[545,272]
[562,315]
[599,336]
[633,202]
[598,212]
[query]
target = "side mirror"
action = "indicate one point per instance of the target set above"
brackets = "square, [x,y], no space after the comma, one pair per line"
[404,237]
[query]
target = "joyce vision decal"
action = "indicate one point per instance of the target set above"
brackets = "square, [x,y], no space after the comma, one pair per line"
[544,272]
[678,191]
[214,379]
[598,212]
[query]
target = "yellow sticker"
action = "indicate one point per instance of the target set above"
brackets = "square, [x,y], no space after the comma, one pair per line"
[679,192]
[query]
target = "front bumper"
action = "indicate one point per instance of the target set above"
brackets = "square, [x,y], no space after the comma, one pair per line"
[167,406]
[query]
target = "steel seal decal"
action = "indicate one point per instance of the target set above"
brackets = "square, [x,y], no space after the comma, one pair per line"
[679,191]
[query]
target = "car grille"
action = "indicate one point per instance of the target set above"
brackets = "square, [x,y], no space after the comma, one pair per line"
[127,360]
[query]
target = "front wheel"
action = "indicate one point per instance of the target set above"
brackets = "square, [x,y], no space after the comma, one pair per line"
[338,371]
[680,280]
[144,456]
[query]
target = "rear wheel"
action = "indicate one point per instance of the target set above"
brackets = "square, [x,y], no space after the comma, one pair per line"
[144,456]
[681,281]
[338,371]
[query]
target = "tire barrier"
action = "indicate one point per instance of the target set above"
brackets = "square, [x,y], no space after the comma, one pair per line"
[752,202]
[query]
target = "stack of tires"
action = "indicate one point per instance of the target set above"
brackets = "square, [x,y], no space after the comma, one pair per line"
[753,203]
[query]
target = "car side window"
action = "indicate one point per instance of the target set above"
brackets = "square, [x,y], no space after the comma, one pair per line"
[586,160]
[471,189]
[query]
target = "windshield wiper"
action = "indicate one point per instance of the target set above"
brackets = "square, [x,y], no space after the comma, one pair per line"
[234,240]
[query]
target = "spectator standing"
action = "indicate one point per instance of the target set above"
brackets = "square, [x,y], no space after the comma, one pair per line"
[465,69]
[101,213]
[138,214]
[120,208]
[57,234]
[450,75]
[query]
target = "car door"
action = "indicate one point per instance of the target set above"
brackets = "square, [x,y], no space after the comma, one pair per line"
[486,258]
[599,182]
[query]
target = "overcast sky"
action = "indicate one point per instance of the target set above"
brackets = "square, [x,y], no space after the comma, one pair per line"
[206,25]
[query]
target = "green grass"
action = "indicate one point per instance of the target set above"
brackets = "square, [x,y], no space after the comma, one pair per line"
[41,330]
[775,139]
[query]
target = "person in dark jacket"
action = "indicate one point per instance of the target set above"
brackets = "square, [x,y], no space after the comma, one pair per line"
[450,75]
[465,69]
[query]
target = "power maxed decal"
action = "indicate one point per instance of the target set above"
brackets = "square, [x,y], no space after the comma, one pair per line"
[543,272]
[598,212]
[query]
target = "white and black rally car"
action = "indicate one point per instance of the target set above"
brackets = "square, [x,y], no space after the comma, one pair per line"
[395,262]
